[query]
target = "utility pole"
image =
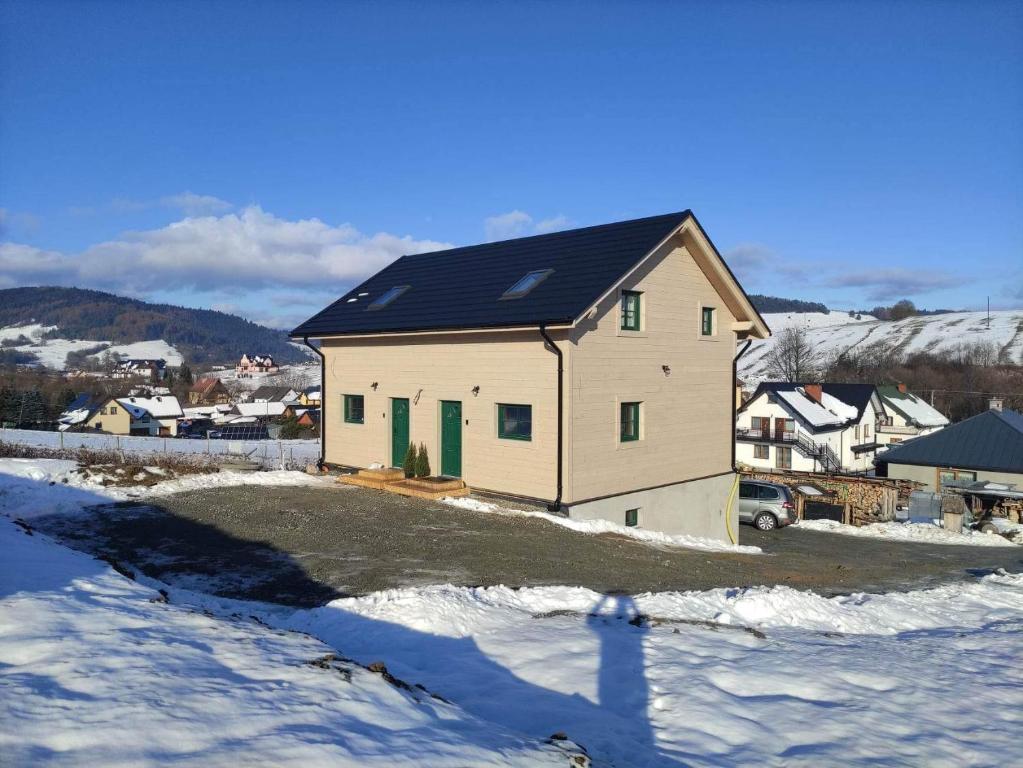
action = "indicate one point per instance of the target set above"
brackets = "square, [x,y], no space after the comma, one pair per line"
[989,313]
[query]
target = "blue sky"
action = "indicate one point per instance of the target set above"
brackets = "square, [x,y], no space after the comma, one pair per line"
[260,157]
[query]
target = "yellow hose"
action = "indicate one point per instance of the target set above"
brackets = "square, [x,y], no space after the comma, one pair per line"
[728,509]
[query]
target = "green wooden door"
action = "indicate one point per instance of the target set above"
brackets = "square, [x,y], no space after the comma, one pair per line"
[451,438]
[399,430]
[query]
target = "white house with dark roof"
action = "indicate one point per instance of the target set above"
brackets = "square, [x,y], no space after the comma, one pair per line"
[908,416]
[590,370]
[809,427]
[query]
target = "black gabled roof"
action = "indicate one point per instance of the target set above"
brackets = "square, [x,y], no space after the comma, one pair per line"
[462,287]
[991,441]
[856,395]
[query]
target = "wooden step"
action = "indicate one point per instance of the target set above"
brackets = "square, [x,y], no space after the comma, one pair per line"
[387,474]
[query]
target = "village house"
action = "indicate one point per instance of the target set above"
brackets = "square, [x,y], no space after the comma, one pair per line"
[208,391]
[310,396]
[809,427]
[152,416]
[267,394]
[986,447]
[153,370]
[591,370]
[250,364]
[908,416]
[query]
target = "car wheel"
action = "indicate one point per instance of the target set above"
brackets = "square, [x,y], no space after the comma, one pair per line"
[765,521]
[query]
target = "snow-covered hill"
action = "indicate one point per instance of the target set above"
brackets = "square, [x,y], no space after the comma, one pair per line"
[837,332]
[52,353]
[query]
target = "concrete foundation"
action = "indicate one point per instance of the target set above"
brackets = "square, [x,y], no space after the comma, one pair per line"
[692,508]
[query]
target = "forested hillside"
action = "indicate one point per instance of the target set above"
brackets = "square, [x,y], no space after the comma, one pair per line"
[765,304]
[201,335]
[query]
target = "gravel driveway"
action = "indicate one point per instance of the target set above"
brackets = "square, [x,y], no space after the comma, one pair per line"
[304,546]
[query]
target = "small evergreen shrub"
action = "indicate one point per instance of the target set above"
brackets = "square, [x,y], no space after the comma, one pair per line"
[422,462]
[409,464]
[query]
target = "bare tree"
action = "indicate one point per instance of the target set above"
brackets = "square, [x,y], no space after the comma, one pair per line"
[794,358]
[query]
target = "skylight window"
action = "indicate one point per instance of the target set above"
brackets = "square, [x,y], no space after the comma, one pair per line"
[526,284]
[384,299]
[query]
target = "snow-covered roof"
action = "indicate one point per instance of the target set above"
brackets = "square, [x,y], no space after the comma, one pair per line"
[809,409]
[275,408]
[841,409]
[159,407]
[916,410]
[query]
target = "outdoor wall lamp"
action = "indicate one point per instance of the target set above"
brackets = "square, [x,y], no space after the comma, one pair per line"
[476,391]
[374,385]
[666,369]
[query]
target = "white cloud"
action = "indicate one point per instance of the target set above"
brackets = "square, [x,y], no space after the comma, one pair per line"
[237,251]
[898,283]
[192,204]
[505,226]
[188,203]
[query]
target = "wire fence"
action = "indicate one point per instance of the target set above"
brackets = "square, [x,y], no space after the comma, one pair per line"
[270,454]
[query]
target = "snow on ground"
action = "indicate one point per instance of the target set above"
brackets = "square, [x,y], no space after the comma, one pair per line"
[932,534]
[269,453]
[836,332]
[606,526]
[727,677]
[98,674]
[25,486]
[298,376]
[95,670]
[52,353]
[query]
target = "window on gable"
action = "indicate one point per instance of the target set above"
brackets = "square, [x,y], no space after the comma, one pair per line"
[355,411]
[630,310]
[514,422]
[629,423]
[526,284]
[707,321]
[384,299]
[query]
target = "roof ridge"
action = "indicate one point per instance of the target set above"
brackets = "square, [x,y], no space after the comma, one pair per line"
[575,230]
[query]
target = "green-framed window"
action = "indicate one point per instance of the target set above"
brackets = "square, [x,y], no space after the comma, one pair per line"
[632,517]
[631,303]
[629,422]
[514,422]
[707,321]
[355,409]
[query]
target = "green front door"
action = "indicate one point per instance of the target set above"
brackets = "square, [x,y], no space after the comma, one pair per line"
[399,430]
[451,438]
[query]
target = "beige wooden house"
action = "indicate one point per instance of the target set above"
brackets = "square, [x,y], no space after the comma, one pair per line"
[591,370]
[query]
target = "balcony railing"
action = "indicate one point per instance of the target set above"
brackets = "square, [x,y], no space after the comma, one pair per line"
[770,437]
[892,429]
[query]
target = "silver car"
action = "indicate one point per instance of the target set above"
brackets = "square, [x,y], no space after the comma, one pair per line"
[765,505]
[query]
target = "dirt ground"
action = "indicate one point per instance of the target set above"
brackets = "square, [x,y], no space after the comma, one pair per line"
[305,546]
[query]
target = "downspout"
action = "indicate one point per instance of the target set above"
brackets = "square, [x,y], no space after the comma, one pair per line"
[735,420]
[555,506]
[735,408]
[323,402]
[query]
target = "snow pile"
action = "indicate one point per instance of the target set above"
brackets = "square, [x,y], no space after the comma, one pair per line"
[606,526]
[928,532]
[98,670]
